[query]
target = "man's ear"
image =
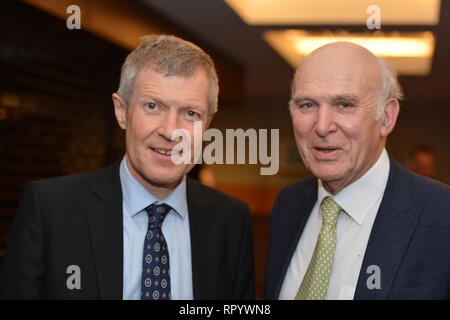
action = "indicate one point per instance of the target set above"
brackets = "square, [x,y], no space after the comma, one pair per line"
[389,117]
[120,109]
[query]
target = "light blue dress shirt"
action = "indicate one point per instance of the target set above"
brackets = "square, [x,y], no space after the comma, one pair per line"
[175,229]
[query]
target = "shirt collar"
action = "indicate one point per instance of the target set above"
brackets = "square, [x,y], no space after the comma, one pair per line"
[358,198]
[136,198]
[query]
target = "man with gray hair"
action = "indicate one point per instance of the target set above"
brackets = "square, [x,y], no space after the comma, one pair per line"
[363,227]
[139,229]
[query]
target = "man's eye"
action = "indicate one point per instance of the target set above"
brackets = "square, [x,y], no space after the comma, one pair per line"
[191,113]
[151,105]
[307,105]
[345,105]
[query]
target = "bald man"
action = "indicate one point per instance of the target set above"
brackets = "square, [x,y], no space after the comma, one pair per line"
[363,227]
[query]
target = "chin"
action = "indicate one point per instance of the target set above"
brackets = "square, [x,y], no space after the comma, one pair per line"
[164,177]
[329,178]
[327,175]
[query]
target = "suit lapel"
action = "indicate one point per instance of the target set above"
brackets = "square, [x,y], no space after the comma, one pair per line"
[104,216]
[394,225]
[204,260]
[304,199]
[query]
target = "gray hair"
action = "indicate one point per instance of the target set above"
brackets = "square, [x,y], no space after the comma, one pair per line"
[171,56]
[389,88]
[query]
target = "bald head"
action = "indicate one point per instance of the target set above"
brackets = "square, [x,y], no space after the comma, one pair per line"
[348,61]
[343,61]
[344,52]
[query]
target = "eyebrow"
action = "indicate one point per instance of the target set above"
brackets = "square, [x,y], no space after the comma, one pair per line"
[145,97]
[161,102]
[298,99]
[340,97]
[346,97]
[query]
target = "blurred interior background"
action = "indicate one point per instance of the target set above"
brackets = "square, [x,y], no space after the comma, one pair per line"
[56,114]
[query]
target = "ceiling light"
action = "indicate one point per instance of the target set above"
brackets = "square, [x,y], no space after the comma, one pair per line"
[408,53]
[342,12]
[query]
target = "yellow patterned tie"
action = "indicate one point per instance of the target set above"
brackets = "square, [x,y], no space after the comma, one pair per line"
[315,283]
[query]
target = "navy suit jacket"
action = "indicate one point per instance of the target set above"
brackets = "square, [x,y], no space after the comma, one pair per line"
[409,241]
[77,220]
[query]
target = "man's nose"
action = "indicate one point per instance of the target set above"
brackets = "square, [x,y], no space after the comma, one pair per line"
[168,125]
[325,121]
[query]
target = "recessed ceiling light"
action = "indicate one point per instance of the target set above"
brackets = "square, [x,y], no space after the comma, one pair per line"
[408,53]
[332,12]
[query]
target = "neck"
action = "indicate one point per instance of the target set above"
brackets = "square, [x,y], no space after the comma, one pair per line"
[333,188]
[159,191]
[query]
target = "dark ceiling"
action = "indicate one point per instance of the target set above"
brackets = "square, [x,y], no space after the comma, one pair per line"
[267,74]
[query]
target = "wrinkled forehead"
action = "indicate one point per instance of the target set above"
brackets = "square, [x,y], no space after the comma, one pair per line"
[333,67]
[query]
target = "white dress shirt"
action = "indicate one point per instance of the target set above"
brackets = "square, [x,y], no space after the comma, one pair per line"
[360,202]
[175,229]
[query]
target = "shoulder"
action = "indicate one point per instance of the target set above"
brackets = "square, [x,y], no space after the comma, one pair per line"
[67,186]
[219,201]
[299,188]
[430,191]
[214,196]
[423,189]
[412,190]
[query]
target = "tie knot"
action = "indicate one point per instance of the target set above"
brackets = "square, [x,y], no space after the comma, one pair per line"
[330,211]
[156,214]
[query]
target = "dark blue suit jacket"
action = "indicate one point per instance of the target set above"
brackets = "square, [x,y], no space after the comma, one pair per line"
[77,220]
[409,241]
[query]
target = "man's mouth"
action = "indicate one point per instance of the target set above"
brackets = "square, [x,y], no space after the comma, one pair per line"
[326,153]
[166,151]
[325,149]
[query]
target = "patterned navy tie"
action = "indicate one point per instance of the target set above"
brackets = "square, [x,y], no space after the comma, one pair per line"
[155,273]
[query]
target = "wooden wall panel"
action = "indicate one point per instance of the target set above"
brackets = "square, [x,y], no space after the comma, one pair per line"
[56,115]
